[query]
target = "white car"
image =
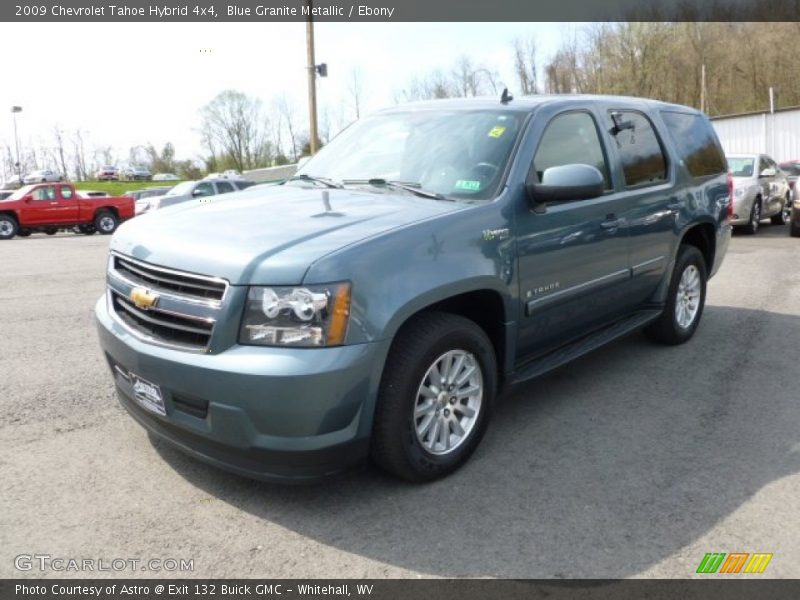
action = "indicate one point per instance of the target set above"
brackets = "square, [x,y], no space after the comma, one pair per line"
[165,177]
[42,176]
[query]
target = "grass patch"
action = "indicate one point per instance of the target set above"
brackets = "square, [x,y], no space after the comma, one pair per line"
[118,188]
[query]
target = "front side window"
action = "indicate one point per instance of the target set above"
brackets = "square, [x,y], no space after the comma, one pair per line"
[47,192]
[203,189]
[638,147]
[569,139]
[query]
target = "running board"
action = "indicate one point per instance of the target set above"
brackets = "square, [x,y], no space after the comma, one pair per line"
[584,345]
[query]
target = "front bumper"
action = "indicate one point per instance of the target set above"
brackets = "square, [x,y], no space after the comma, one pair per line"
[278,414]
[741,209]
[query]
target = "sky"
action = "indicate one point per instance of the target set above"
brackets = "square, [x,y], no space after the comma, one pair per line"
[129,84]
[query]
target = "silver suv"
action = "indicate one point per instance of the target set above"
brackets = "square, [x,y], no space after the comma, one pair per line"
[760,190]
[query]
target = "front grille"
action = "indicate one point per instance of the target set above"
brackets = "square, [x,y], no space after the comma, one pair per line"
[163,327]
[160,280]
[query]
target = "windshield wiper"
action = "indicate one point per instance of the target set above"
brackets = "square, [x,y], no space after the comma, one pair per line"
[323,180]
[414,188]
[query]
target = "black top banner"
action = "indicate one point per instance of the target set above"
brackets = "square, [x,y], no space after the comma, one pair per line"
[398,10]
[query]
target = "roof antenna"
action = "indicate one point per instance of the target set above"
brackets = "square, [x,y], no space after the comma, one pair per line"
[506,97]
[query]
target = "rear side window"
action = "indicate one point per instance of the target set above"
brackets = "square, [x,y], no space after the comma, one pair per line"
[569,139]
[638,147]
[223,187]
[696,142]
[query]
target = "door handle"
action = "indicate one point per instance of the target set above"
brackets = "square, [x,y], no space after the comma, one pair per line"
[611,222]
[53,203]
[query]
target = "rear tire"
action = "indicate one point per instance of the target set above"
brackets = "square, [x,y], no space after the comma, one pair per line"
[106,222]
[435,397]
[755,218]
[8,227]
[685,301]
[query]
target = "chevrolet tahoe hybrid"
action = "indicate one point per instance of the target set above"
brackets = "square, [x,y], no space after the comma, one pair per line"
[374,305]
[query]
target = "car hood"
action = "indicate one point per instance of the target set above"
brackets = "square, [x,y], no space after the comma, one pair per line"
[267,236]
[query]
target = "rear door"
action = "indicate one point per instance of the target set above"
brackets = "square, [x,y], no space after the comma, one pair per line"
[68,204]
[573,256]
[223,187]
[648,190]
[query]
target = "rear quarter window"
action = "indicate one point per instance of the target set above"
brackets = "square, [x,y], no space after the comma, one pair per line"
[696,142]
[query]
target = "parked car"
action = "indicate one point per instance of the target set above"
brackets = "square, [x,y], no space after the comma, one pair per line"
[760,190]
[5,194]
[193,190]
[148,192]
[43,176]
[137,173]
[792,170]
[144,197]
[107,173]
[165,177]
[429,255]
[49,207]
[12,182]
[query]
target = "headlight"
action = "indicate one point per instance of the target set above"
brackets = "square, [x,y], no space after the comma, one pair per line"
[296,316]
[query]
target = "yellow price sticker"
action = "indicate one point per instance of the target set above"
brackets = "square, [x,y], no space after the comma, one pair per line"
[496,132]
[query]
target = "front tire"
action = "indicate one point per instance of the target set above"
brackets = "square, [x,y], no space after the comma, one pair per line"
[8,227]
[686,299]
[435,397]
[106,222]
[782,217]
[755,217]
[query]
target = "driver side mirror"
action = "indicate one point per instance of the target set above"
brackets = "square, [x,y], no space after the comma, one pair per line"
[197,193]
[768,172]
[27,198]
[563,184]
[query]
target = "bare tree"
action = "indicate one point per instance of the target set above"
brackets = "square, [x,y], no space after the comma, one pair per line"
[235,124]
[285,109]
[355,89]
[58,135]
[79,156]
[525,65]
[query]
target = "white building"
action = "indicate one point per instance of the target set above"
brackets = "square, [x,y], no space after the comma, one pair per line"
[776,134]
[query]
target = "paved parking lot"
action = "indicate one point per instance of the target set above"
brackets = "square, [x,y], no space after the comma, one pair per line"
[632,462]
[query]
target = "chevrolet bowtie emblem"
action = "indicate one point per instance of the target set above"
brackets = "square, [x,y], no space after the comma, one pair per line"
[143,299]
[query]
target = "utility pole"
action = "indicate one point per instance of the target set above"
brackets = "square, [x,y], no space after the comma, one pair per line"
[312,81]
[14,111]
[703,88]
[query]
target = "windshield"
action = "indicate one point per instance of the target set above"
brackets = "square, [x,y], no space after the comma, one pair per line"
[21,192]
[181,189]
[740,166]
[457,153]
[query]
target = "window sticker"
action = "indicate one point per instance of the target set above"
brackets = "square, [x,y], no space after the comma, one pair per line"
[497,132]
[468,185]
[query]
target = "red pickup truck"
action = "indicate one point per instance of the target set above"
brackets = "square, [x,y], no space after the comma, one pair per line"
[49,207]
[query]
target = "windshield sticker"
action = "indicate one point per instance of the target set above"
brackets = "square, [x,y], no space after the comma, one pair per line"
[497,132]
[468,185]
